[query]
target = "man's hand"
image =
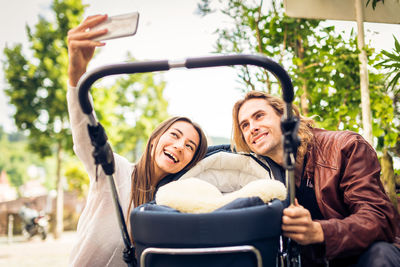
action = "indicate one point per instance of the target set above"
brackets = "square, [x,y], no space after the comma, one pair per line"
[298,225]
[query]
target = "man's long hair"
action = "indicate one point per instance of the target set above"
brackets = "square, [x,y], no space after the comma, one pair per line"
[305,127]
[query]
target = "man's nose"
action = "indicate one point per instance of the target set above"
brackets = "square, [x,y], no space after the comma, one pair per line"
[254,128]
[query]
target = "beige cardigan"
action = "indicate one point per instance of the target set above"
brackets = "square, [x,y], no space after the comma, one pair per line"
[99,241]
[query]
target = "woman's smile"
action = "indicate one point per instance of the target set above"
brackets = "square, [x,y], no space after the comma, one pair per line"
[171,156]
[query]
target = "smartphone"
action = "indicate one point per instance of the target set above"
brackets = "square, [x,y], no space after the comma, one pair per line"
[118,26]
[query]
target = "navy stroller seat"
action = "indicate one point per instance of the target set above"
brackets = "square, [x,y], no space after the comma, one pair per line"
[252,233]
[242,233]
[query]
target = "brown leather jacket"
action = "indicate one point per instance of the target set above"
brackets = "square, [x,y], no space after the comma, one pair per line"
[345,172]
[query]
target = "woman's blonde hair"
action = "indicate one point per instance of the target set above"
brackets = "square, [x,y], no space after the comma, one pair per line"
[305,127]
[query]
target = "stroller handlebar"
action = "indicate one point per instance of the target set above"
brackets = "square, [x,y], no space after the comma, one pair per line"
[241,59]
[89,78]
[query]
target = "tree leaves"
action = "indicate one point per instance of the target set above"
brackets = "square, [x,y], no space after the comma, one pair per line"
[37,85]
[130,109]
[323,65]
[374,2]
[392,64]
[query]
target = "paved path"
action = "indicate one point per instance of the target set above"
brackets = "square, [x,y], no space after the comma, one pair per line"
[36,252]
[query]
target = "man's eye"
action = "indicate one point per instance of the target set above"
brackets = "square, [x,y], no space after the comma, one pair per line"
[244,126]
[260,115]
[174,134]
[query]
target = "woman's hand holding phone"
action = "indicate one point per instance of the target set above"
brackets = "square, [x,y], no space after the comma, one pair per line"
[83,39]
[81,46]
[118,26]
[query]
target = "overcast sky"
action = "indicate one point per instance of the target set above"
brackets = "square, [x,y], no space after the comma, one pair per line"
[167,30]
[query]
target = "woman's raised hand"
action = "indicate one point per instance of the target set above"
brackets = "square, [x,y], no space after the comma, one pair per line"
[81,46]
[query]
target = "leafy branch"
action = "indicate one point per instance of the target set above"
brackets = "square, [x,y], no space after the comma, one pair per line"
[392,63]
[374,2]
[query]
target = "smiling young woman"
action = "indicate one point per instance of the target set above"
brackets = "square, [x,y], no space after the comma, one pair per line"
[176,144]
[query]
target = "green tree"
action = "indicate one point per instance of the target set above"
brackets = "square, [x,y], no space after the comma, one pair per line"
[322,63]
[77,177]
[141,106]
[391,64]
[374,2]
[14,161]
[37,87]
[129,110]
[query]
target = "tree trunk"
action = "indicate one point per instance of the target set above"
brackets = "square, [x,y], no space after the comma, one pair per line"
[388,178]
[304,107]
[364,81]
[304,99]
[59,226]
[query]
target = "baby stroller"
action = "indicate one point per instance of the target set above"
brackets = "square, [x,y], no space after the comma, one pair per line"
[231,237]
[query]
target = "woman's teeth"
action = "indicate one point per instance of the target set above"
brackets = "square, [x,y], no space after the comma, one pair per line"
[170,155]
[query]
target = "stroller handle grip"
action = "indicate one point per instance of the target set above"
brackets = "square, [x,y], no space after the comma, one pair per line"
[90,77]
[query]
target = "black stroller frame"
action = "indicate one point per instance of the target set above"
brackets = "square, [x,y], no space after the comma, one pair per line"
[103,153]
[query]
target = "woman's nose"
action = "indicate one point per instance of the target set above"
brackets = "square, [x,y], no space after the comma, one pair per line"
[179,144]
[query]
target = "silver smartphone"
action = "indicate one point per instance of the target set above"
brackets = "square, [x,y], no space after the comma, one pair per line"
[118,26]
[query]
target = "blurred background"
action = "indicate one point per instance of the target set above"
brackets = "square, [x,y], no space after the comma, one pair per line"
[38,170]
